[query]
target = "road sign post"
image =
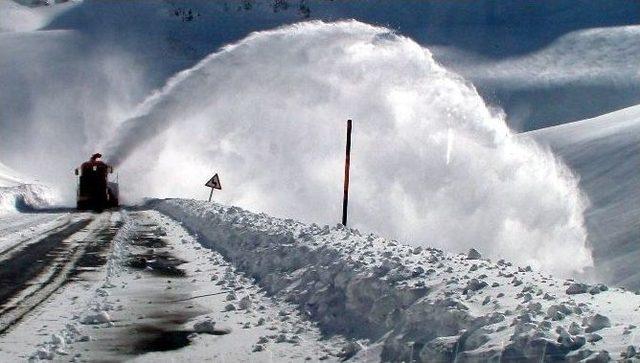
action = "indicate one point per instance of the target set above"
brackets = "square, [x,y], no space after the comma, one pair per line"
[213,183]
[345,199]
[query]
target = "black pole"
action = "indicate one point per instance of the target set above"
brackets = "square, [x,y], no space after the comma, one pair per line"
[211,194]
[345,200]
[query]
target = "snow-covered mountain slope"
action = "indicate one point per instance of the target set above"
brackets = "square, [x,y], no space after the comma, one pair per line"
[416,303]
[484,32]
[18,18]
[605,153]
[549,86]
[99,59]
[143,60]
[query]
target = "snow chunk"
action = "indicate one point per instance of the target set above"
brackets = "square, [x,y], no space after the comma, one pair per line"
[101,317]
[207,326]
[245,303]
[577,288]
[473,254]
[596,322]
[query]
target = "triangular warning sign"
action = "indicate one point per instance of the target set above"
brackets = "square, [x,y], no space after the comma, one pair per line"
[214,182]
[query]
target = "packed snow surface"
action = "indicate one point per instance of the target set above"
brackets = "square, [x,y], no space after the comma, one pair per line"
[431,162]
[413,302]
[604,152]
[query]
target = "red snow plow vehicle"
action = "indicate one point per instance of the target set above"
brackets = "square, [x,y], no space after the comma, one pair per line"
[95,191]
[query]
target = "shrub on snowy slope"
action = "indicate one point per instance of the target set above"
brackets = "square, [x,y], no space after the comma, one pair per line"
[413,302]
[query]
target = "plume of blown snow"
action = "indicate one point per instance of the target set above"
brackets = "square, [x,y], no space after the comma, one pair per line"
[431,163]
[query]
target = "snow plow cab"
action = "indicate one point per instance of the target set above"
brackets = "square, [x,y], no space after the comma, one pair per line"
[94,190]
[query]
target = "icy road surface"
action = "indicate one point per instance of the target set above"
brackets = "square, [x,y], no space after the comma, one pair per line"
[135,285]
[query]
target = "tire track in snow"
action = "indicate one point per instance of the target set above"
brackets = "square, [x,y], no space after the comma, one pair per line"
[20,222]
[58,226]
[34,273]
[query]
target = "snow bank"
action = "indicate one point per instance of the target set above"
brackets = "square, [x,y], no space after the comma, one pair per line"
[25,197]
[430,161]
[415,302]
[17,192]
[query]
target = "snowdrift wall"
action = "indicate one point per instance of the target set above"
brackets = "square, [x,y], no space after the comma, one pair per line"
[430,161]
[25,197]
[17,192]
[414,303]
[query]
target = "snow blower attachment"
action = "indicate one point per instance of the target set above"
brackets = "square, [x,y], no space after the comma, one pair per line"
[95,191]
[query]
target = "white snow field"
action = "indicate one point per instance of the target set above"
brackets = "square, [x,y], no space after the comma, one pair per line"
[407,303]
[605,153]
